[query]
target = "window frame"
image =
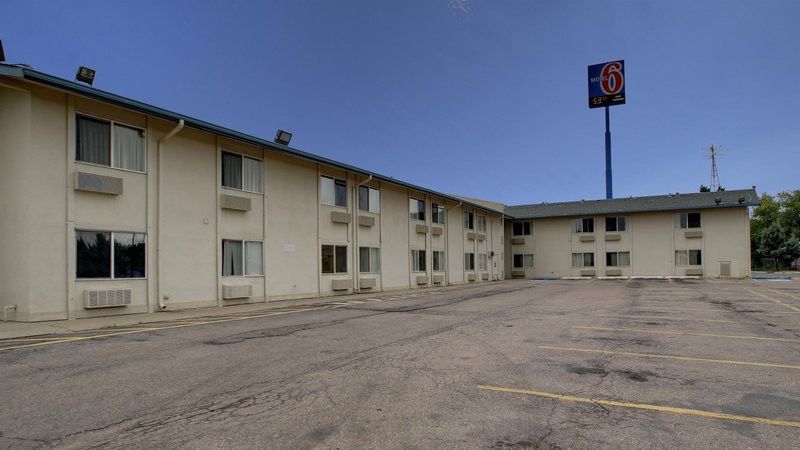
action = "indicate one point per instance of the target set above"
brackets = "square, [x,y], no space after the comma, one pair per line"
[442,260]
[111,255]
[438,213]
[583,260]
[580,221]
[243,156]
[335,180]
[522,225]
[616,224]
[679,220]
[371,261]
[346,246]
[369,190]
[111,123]
[418,212]
[523,256]
[483,262]
[616,257]
[480,219]
[469,220]
[244,243]
[688,253]
[469,260]
[415,258]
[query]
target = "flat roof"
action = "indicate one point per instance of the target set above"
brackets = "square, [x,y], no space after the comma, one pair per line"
[26,73]
[669,202]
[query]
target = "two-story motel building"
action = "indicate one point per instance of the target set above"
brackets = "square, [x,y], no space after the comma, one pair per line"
[112,206]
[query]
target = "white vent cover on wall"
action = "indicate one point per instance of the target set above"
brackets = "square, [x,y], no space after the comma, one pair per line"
[232,291]
[106,298]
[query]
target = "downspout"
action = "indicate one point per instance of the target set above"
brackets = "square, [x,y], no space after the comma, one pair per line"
[161,304]
[356,251]
[447,254]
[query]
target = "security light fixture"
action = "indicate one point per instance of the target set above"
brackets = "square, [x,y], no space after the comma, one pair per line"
[717,200]
[283,137]
[85,74]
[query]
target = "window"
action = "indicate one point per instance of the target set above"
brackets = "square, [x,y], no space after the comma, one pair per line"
[416,209]
[481,223]
[96,257]
[334,259]
[618,259]
[333,191]
[481,261]
[469,261]
[583,260]
[616,223]
[523,261]
[521,229]
[437,213]
[688,258]
[242,258]
[243,173]
[107,143]
[687,220]
[438,260]
[584,225]
[369,260]
[469,220]
[418,260]
[369,199]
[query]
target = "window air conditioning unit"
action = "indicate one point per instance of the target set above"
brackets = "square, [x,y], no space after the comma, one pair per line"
[236,291]
[106,298]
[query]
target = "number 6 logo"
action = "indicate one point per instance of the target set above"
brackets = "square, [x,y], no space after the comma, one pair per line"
[611,79]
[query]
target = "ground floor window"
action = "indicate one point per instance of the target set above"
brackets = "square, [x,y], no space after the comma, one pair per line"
[469,261]
[583,260]
[334,259]
[107,254]
[481,261]
[688,258]
[618,259]
[418,261]
[369,260]
[523,261]
[242,258]
[438,260]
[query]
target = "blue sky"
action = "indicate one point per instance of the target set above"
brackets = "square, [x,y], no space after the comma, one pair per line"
[480,98]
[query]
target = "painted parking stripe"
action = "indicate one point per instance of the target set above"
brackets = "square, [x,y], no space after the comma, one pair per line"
[785,293]
[681,358]
[691,319]
[793,308]
[685,333]
[644,406]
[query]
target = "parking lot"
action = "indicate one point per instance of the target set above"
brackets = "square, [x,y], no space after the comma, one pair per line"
[513,364]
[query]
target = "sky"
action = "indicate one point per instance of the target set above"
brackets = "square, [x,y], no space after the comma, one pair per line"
[486,99]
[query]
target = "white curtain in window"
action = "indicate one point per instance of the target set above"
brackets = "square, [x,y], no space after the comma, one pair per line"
[253,258]
[624,259]
[327,191]
[374,201]
[528,260]
[253,175]
[93,144]
[231,258]
[375,259]
[577,260]
[128,148]
[681,258]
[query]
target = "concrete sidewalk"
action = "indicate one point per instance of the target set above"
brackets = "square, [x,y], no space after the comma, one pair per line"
[10,330]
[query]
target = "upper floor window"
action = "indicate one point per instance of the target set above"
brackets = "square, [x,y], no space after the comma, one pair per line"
[105,254]
[583,260]
[481,223]
[469,220]
[618,259]
[688,220]
[242,172]
[584,225]
[418,261]
[333,191]
[369,199]
[688,258]
[107,143]
[521,228]
[523,260]
[437,213]
[616,223]
[369,260]
[416,209]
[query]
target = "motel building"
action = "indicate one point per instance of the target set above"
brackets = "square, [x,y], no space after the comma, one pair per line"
[112,206]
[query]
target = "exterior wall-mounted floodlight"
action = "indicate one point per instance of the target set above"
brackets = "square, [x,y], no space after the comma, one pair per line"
[85,74]
[283,137]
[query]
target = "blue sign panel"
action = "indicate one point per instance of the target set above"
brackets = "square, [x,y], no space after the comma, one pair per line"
[607,84]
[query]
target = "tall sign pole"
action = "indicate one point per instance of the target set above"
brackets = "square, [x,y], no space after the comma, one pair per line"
[607,88]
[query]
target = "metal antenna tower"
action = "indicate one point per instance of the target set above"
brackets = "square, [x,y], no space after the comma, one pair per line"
[712,154]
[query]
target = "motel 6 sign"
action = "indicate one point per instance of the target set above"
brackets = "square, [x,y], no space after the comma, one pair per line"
[607,84]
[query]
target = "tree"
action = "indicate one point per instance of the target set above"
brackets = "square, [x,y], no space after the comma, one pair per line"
[704,188]
[790,217]
[775,229]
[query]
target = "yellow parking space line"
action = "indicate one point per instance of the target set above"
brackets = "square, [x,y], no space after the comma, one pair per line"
[710,310]
[685,333]
[644,406]
[793,308]
[691,319]
[785,293]
[681,358]
[168,327]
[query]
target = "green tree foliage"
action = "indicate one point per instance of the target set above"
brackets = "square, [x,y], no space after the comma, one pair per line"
[775,229]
